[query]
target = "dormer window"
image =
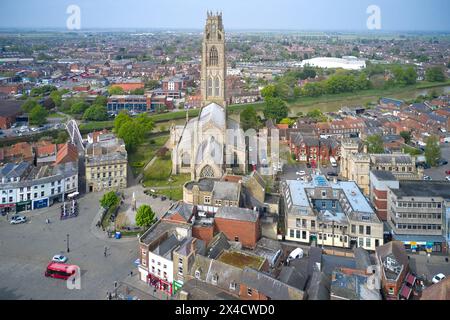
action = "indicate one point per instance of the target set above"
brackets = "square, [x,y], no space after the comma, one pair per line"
[233,286]
[197,274]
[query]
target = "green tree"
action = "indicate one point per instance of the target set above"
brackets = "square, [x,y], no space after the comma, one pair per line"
[122,118]
[152,84]
[275,109]
[269,92]
[96,113]
[56,96]
[115,90]
[435,74]
[406,135]
[62,137]
[145,121]
[38,116]
[79,107]
[375,144]
[131,134]
[145,216]
[249,119]
[109,199]
[29,105]
[410,76]
[101,100]
[139,91]
[432,151]
[290,122]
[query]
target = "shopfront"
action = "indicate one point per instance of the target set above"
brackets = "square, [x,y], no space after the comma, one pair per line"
[7,208]
[23,206]
[159,284]
[39,204]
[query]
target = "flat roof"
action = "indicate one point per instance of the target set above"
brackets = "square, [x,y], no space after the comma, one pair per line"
[240,259]
[423,189]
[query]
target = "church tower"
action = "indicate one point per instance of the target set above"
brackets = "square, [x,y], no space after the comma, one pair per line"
[213,72]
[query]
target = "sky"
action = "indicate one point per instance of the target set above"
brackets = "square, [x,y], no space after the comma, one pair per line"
[339,15]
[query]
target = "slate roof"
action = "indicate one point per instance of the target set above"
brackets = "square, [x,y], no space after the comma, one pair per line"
[319,286]
[226,191]
[269,286]
[217,245]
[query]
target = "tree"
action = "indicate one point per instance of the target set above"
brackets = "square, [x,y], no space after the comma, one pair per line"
[29,105]
[101,100]
[122,118]
[375,144]
[152,84]
[287,121]
[109,199]
[145,121]
[249,119]
[406,135]
[38,116]
[56,96]
[275,109]
[79,107]
[62,137]
[139,91]
[435,74]
[269,92]
[96,113]
[115,90]
[131,134]
[410,76]
[145,216]
[432,151]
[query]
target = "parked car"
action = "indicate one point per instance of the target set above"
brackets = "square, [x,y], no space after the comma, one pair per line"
[332,174]
[163,198]
[443,162]
[447,172]
[447,178]
[59,258]
[300,173]
[427,178]
[438,278]
[18,220]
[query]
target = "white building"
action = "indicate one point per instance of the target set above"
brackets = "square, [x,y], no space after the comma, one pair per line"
[347,63]
[24,187]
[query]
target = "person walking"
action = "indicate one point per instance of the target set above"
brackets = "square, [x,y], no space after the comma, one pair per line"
[105,251]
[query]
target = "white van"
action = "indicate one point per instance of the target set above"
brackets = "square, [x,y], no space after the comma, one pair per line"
[295,254]
[333,162]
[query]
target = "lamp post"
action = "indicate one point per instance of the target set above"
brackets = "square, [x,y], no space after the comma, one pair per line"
[68,249]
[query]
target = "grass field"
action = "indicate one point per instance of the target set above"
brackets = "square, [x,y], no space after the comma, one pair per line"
[145,152]
[157,177]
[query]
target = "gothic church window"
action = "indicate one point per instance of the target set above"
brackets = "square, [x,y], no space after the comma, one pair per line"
[213,57]
[217,87]
[210,86]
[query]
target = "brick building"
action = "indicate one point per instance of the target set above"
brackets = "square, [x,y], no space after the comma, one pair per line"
[380,182]
[239,224]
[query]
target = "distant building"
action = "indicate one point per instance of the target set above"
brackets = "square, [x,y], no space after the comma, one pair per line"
[347,63]
[106,164]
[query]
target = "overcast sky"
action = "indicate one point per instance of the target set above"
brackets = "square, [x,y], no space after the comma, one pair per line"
[396,15]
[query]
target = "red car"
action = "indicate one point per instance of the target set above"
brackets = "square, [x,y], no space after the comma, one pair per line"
[447,172]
